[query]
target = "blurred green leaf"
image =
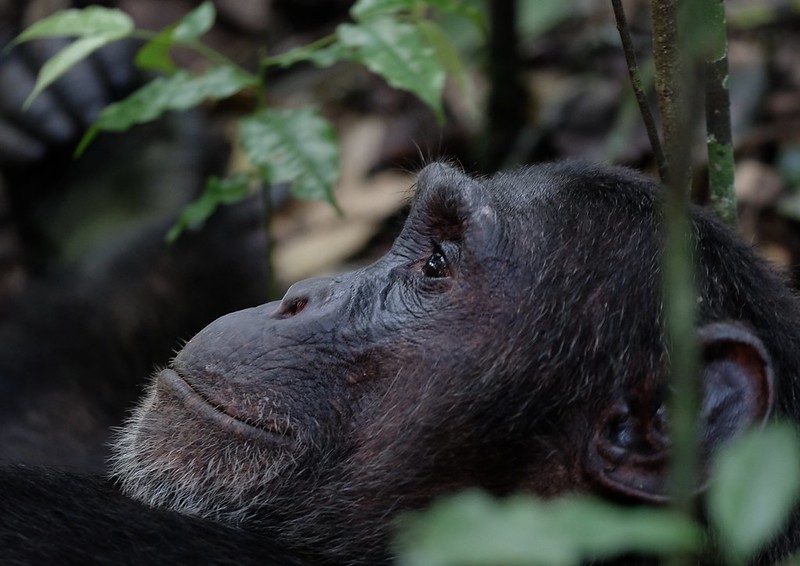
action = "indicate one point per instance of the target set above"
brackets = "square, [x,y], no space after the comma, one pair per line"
[90,21]
[364,10]
[154,54]
[475,529]
[445,52]
[177,92]
[296,146]
[217,191]
[399,53]
[755,485]
[321,57]
[64,60]
[537,18]
[195,23]
[95,27]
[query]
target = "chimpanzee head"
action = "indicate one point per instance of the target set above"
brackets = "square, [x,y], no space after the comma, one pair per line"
[511,339]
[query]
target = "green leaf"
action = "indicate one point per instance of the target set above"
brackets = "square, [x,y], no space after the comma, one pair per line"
[64,60]
[296,146]
[445,52]
[217,191]
[321,57]
[195,23]
[399,53]
[178,92]
[537,18]
[94,20]
[364,10]
[154,55]
[475,529]
[755,485]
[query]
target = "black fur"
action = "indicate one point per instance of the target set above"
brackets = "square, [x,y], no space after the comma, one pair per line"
[510,340]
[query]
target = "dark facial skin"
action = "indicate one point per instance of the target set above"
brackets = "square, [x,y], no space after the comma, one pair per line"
[509,340]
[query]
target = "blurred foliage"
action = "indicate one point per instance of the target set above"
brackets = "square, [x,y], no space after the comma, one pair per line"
[754,486]
[395,39]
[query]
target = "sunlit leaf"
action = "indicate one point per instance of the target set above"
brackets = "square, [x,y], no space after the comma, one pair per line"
[475,529]
[64,60]
[756,484]
[177,92]
[399,53]
[296,146]
[93,20]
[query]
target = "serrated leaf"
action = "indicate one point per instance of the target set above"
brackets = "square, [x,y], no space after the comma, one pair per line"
[195,23]
[93,20]
[755,486]
[180,91]
[399,53]
[364,10]
[475,529]
[296,146]
[217,191]
[64,60]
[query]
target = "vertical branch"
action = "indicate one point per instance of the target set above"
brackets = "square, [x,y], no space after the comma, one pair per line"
[638,89]
[679,291]
[718,115]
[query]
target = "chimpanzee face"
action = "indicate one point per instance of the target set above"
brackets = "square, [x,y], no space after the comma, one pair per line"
[510,339]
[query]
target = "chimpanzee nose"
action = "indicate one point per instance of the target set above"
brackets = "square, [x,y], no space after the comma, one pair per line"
[309,292]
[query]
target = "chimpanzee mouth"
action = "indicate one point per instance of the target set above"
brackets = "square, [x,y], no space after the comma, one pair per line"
[221,416]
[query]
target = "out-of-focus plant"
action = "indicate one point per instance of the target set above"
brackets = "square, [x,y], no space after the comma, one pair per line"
[396,39]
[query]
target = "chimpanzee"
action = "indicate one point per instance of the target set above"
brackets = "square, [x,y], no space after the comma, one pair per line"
[511,339]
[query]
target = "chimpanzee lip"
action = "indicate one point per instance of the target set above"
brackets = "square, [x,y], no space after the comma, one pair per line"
[200,405]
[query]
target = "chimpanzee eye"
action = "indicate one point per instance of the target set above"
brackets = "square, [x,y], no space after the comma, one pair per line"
[436,266]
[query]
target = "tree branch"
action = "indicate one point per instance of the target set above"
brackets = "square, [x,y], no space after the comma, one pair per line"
[638,89]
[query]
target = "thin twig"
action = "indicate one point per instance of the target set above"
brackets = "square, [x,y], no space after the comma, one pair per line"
[638,89]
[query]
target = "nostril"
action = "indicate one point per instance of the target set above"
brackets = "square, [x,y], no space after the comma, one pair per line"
[295,306]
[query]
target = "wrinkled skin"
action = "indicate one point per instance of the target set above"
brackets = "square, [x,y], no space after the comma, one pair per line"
[511,339]
[512,318]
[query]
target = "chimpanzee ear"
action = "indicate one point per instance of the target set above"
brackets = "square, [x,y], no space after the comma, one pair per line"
[737,383]
[629,451]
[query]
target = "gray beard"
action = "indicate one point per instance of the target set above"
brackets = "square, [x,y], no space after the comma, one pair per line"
[203,474]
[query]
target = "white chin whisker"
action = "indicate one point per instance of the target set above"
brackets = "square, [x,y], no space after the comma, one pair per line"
[176,462]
